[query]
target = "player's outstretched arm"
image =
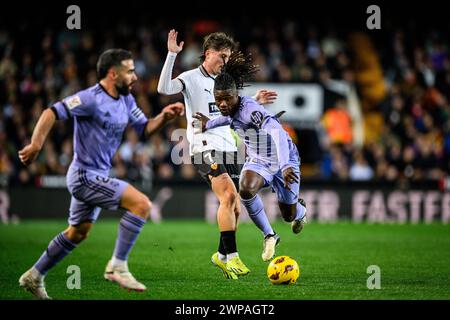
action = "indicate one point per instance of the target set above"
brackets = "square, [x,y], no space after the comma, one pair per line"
[166,84]
[265,96]
[202,119]
[207,123]
[169,113]
[172,45]
[30,152]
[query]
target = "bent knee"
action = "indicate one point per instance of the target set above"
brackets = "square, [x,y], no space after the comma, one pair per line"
[83,235]
[143,207]
[248,189]
[229,199]
[76,235]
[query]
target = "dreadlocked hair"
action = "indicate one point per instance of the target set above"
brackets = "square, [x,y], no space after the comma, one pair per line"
[235,72]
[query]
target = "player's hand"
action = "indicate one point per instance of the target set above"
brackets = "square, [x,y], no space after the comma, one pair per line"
[202,118]
[172,45]
[289,177]
[173,110]
[266,96]
[29,153]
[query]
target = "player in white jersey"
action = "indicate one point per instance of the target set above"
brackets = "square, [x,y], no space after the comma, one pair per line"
[214,152]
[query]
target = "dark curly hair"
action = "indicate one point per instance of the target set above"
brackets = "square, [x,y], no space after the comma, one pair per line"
[235,72]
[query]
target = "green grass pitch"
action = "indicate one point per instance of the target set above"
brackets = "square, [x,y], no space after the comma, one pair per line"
[173,260]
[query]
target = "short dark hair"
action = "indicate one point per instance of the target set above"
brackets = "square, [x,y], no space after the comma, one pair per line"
[111,58]
[218,41]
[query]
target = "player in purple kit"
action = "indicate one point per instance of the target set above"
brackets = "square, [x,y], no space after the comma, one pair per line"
[101,113]
[273,158]
[213,153]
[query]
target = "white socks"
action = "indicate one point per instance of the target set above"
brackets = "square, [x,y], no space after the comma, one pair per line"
[225,258]
[36,274]
[117,263]
[222,257]
[232,255]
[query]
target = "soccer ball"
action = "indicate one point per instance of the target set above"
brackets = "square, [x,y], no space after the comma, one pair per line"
[283,270]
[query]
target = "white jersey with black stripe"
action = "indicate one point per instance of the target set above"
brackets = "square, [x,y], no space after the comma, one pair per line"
[198,94]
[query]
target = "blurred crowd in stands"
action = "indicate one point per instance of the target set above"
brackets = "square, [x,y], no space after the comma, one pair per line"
[406,119]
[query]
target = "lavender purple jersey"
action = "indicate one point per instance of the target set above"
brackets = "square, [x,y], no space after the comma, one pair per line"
[269,148]
[266,140]
[99,123]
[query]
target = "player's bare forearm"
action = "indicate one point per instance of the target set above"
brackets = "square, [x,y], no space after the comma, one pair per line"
[43,127]
[30,152]
[155,124]
[169,113]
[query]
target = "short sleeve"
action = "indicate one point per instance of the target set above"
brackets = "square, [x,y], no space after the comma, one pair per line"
[80,104]
[254,113]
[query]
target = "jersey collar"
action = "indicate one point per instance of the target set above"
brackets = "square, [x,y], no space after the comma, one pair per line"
[204,72]
[108,93]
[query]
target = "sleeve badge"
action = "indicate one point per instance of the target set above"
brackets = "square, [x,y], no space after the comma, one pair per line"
[73,101]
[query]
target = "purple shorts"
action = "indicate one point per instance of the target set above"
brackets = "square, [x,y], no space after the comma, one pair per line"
[275,180]
[92,191]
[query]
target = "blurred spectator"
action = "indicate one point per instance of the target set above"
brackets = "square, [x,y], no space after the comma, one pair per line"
[409,135]
[338,124]
[131,146]
[360,170]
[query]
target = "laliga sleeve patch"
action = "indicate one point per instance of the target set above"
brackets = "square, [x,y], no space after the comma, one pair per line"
[73,101]
[256,117]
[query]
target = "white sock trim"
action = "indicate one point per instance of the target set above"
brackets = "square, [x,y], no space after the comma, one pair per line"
[117,262]
[36,274]
[222,257]
[232,255]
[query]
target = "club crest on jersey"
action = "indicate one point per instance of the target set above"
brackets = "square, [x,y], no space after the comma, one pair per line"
[73,102]
[256,117]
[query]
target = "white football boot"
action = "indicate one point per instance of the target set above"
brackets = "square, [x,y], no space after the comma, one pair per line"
[123,277]
[34,285]
[270,241]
